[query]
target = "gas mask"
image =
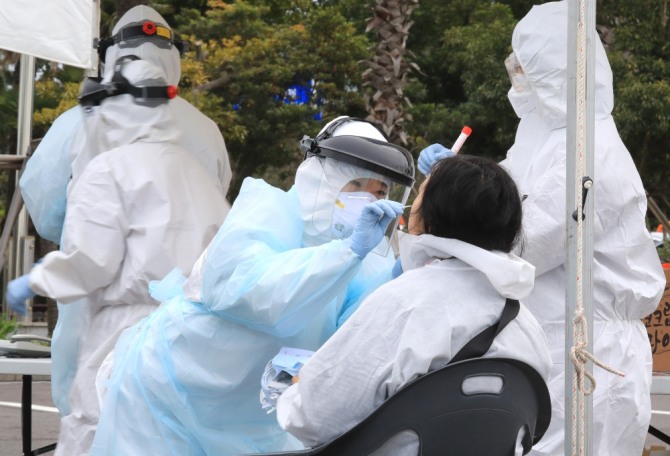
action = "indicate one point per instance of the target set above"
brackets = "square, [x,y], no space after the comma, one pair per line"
[93,91]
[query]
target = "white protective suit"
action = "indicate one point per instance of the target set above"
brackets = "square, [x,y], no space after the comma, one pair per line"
[65,151]
[409,327]
[627,276]
[137,211]
[47,174]
[186,379]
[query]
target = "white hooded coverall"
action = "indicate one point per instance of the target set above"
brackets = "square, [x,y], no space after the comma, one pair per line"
[409,327]
[627,276]
[137,211]
[64,152]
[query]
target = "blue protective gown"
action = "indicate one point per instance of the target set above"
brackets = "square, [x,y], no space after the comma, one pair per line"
[186,379]
[44,189]
[44,192]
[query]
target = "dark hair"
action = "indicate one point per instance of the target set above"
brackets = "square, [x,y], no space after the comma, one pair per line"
[474,200]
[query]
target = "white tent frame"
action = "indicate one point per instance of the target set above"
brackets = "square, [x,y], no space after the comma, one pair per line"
[579,168]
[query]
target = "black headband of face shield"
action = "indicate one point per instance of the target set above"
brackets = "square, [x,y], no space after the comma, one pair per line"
[144,32]
[308,145]
[94,91]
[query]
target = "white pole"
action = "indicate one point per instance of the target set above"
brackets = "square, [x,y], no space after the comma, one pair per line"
[24,253]
[579,177]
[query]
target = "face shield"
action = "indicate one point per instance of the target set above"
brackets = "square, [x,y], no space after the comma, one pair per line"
[351,200]
[343,174]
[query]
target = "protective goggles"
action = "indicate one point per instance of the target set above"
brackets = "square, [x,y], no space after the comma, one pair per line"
[141,32]
[94,91]
[516,74]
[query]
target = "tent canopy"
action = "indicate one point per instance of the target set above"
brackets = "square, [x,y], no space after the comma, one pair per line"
[56,30]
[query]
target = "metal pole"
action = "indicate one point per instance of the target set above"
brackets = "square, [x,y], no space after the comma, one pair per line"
[25,122]
[579,167]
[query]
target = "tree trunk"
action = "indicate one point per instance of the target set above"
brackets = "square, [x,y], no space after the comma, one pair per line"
[387,72]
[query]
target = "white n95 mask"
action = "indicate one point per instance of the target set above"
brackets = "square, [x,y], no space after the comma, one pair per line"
[522,101]
[348,208]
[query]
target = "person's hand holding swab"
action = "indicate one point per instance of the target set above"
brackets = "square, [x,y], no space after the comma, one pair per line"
[371,225]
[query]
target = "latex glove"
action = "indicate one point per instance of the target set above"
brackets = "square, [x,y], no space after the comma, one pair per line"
[17,293]
[397,269]
[431,155]
[273,384]
[371,225]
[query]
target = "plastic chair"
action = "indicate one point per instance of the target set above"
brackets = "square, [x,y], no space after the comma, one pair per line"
[449,419]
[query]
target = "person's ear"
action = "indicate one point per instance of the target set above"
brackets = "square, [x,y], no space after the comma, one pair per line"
[415,224]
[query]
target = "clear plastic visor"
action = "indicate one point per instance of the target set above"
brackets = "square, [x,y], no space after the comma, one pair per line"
[343,194]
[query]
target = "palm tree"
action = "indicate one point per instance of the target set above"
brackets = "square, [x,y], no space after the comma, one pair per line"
[387,72]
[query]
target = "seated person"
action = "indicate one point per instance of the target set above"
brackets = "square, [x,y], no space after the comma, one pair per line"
[286,268]
[459,270]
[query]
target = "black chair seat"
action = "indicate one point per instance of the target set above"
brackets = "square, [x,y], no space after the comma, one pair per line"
[449,421]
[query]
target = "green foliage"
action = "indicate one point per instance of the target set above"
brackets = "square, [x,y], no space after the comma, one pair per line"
[8,326]
[248,55]
[465,80]
[52,98]
[9,102]
[640,56]
[664,252]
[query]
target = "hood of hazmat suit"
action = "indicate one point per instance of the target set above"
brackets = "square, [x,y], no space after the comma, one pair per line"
[260,285]
[47,174]
[137,211]
[627,276]
[450,291]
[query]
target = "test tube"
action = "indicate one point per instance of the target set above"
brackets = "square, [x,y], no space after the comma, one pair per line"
[465,132]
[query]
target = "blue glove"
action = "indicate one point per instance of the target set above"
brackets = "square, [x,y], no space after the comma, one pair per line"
[17,293]
[431,155]
[397,269]
[371,225]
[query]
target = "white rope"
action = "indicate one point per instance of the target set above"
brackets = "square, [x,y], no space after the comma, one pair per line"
[579,335]
[579,353]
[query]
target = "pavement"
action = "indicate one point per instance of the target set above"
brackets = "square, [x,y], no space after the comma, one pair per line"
[46,422]
[46,419]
